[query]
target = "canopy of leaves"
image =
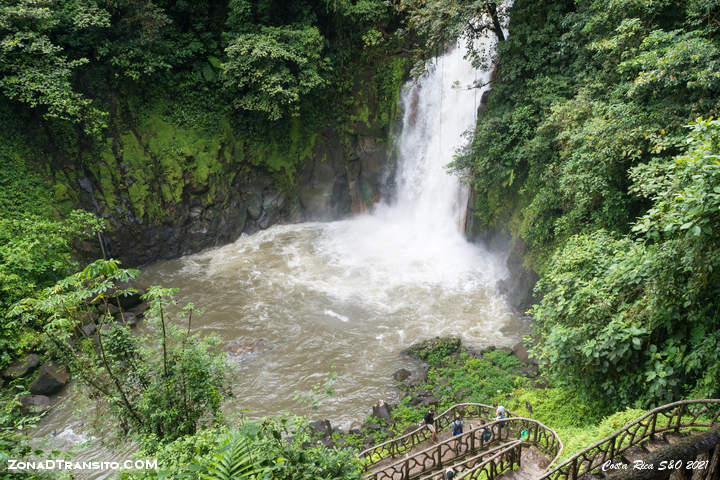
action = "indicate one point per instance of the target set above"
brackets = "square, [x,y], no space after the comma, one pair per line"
[272,449]
[584,134]
[272,70]
[34,254]
[635,320]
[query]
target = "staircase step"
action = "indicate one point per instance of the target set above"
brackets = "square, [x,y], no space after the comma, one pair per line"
[635,453]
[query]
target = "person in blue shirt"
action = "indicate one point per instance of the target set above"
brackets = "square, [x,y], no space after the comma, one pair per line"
[457,429]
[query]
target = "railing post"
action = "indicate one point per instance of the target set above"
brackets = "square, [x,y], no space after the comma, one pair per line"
[519,455]
[574,469]
[472,441]
[679,419]
[653,424]
[612,448]
[406,469]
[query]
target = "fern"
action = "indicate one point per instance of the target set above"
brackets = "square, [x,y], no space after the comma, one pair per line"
[235,461]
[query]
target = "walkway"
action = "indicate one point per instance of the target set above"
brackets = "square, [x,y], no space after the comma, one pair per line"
[525,449]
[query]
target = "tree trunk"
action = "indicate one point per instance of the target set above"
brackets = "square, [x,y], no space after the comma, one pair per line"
[497,26]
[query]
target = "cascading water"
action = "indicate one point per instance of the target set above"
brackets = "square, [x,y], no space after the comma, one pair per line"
[292,301]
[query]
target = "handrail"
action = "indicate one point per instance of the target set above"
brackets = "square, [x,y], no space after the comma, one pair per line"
[405,443]
[477,461]
[635,433]
[432,456]
[537,434]
[496,465]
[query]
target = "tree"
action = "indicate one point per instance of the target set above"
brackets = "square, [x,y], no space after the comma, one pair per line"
[164,384]
[35,69]
[34,254]
[272,71]
[438,24]
[634,320]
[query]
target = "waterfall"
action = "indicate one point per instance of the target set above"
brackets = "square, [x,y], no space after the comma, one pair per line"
[291,301]
[438,109]
[418,237]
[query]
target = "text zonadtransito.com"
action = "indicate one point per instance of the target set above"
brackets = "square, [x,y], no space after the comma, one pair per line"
[14,464]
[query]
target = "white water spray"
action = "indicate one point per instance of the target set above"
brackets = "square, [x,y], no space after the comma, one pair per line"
[419,238]
[354,293]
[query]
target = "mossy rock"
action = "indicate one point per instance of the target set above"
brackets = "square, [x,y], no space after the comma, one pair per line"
[435,350]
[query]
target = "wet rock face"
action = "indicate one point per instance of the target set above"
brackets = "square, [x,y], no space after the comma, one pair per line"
[50,379]
[336,181]
[35,404]
[22,367]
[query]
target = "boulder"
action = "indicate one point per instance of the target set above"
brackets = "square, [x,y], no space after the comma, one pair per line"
[50,379]
[521,353]
[139,310]
[430,401]
[23,367]
[88,329]
[321,428]
[355,428]
[35,403]
[129,300]
[382,410]
[435,350]
[127,318]
[254,205]
[322,431]
[401,375]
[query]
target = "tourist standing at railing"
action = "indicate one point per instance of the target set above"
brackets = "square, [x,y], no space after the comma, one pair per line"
[500,413]
[486,435]
[430,422]
[457,429]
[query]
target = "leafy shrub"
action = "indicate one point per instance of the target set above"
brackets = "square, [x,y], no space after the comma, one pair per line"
[165,392]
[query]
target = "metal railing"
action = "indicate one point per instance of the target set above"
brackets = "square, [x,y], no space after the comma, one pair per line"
[481,460]
[495,466]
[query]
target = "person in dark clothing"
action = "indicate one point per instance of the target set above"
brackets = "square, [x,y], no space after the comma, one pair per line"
[457,429]
[430,422]
[486,435]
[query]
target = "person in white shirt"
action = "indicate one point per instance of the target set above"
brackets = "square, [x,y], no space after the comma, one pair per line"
[500,413]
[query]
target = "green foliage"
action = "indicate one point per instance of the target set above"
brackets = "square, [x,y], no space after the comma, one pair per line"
[14,439]
[560,408]
[35,70]
[438,24]
[34,253]
[234,461]
[273,70]
[164,392]
[582,153]
[269,450]
[579,438]
[636,319]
